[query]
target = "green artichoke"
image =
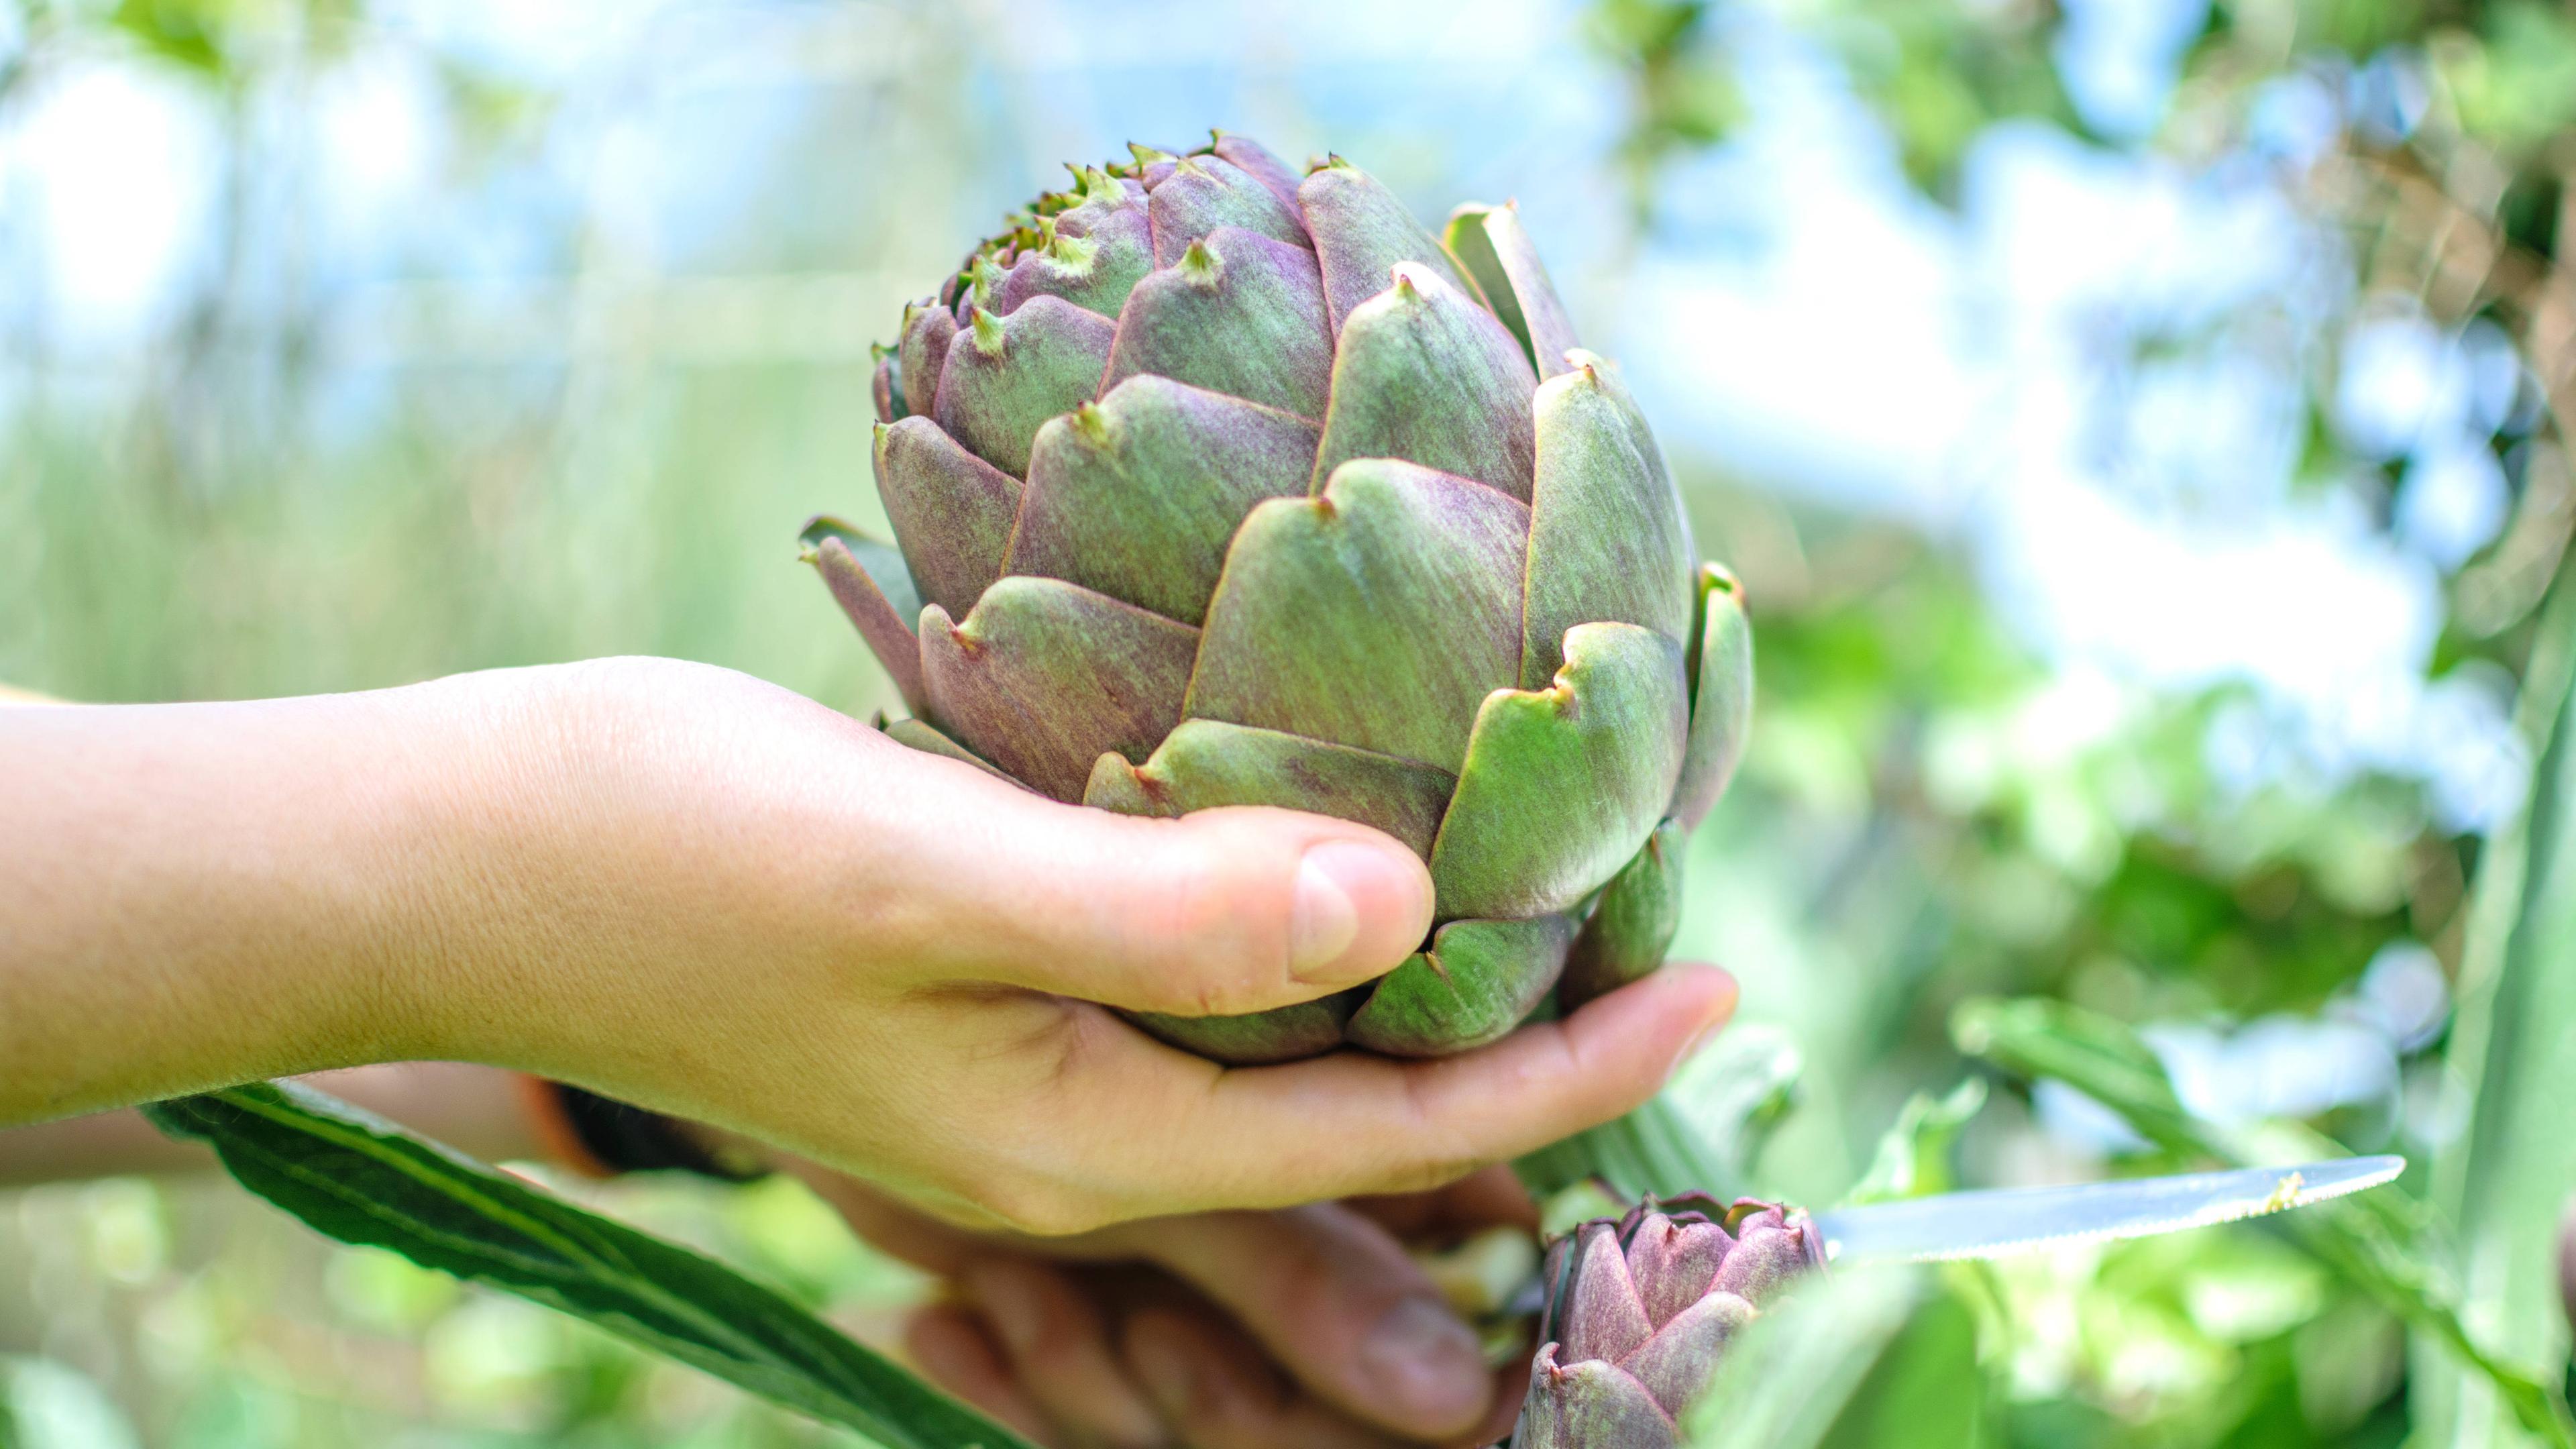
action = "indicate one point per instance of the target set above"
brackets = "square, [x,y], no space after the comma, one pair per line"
[1640,1308]
[1215,484]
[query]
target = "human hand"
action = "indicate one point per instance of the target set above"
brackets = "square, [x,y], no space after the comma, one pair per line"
[683,888]
[1306,1328]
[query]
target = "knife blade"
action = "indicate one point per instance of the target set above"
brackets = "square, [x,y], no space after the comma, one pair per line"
[2000,1221]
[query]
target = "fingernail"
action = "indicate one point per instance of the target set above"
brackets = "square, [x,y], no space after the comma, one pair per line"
[1325,920]
[1011,1305]
[1691,1047]
[1426,1364]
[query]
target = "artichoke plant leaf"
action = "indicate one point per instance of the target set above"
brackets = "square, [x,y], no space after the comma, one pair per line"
[1281,1034]
[1378,615]
[1427,375]
[359,1179]
[1721,675]
[1204,193]
[1044,676]
[1094,270]
[1476,983]
[1607,541]
[1361,232]
[1631,926]
[1593,755]
[1242,315]
[919,735]
[1005,376]
[875,591]
[1137,496]
[1494,250]
[1206,763]
[951,510]
[921,351]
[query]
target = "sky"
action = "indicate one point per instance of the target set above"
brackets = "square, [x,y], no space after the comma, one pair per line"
[2090,376]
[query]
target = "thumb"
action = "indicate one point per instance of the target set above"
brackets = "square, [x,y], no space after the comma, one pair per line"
[1214,914]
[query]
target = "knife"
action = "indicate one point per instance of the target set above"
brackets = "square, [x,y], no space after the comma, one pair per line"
[2001,1221]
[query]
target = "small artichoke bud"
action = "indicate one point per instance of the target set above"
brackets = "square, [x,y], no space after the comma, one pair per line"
[1640,1310]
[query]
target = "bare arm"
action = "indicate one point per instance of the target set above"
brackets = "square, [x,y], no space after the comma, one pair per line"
[683,888]
[475,1109]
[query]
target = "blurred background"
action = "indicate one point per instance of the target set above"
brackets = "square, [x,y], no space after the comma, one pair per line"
[2140,424]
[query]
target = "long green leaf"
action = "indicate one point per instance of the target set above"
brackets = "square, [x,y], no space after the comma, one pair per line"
[1787,1380]
[2384,1242]
[2513,1051]
[360,1179]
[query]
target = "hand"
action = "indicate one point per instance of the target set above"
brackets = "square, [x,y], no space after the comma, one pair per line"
[1307,1328]
[683,888]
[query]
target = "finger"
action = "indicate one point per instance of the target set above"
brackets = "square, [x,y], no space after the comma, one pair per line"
[1220,912]
[1217,1391]
[1350,1123]
[1059,1352]
[1339,1304]
[947,1343]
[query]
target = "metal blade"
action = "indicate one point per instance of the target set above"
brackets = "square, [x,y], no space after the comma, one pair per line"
[2019,1220]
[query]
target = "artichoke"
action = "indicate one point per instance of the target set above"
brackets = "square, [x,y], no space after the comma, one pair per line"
[1639,1309]
[1216,484]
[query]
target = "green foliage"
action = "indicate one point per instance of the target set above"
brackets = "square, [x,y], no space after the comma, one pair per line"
[362,1180]
[1858,1360]
[1914,1158]
[2383,1242]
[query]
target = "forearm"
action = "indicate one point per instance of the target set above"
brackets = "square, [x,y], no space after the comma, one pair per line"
[481,1111]
[192,895]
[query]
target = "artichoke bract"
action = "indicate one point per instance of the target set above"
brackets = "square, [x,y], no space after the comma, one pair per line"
[1639,1310]
[1214,483]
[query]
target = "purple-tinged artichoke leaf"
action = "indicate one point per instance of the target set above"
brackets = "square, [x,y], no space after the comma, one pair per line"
[1152,163]
[917,735]
[1098,200]
[1476,983]
[1257,161]
[1379,615]
[1677,1363]
[951,511]
[1238,314]
[1005,376]
[1094,270]
[921,352]
[885,386]
[1607,538]
[1137,496]
[1361,231]
[870,583]
[1044,676]
[1674,1261]
[1426,374]
[1769,1252]
[1632,926]
[1281,1034]
[1491,248]
[1589,1405]
[1721,696]
[1207,192]
[1205,763]
[1561,786]
[1603,1317]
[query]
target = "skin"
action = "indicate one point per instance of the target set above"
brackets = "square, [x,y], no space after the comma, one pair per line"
[693,891]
